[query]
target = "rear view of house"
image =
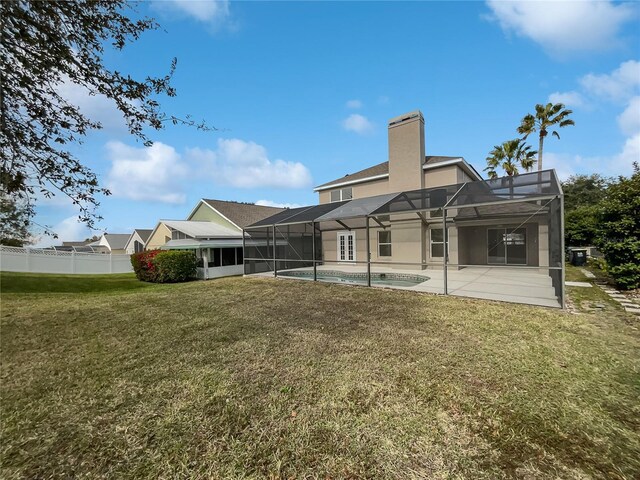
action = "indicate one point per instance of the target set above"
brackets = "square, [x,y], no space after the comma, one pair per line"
[421,213]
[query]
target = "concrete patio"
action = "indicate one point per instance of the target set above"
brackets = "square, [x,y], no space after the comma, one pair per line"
[517,285]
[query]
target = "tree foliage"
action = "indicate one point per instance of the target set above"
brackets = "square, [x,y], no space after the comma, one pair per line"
[14,222]
[546,117]
[584,190]
[582,197]
[619,230]
[510,156]
[46,44]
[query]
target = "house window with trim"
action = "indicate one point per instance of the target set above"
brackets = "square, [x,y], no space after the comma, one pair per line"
[436,243]
[384,243]
[341,194]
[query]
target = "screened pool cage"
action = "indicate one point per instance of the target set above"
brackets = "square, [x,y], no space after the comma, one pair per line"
[497,239]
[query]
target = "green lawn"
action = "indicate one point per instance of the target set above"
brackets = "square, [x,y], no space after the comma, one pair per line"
[263,378]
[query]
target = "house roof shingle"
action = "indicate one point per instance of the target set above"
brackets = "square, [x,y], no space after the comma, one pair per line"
[381,169]
[144,233]
[117,241]
[242,214]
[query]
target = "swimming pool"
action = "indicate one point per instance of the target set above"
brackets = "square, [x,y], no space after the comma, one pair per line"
[359,278]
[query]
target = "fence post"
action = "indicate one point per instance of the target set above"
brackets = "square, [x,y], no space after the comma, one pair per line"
[28,259]
[73,262]
[111,263]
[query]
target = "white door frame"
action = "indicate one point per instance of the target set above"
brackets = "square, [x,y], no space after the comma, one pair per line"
[346,234]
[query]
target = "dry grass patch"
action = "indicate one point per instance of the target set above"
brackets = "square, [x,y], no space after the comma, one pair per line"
[250,378]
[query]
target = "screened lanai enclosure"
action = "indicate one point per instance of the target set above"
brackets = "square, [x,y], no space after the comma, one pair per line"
[498,239]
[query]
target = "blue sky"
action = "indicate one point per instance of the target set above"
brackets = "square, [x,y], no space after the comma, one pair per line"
[301,93]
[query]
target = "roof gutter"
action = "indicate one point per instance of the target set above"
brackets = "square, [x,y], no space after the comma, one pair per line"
[455,161]
[351,182]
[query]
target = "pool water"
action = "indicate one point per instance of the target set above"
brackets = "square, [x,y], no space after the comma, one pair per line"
[382,279]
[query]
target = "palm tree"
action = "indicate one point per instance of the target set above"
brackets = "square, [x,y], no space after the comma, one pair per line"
[546,116]
[509,156]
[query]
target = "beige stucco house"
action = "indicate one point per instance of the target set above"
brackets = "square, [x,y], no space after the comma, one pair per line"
[418,212]
[471,242]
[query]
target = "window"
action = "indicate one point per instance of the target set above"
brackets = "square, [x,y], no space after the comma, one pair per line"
[437,243]
[228,256]
[341,194]
[384,243]
[178,235]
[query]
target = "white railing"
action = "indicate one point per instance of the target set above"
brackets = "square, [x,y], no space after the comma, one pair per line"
[16,259]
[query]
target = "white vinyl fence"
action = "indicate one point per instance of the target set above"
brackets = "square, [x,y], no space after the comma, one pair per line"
[14,259]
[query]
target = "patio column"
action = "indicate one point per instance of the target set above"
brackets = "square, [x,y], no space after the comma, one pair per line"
[445,254]
[275,264]
[313,248]
[205,263]
[244,262]
[368,256]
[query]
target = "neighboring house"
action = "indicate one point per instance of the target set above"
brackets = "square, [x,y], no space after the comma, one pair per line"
[213,230]
[137,240]
[113,243]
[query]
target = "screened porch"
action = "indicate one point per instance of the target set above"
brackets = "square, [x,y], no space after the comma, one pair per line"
[496,239]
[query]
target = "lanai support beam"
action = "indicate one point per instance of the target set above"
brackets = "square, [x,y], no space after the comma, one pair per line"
[313,248]
[368,256]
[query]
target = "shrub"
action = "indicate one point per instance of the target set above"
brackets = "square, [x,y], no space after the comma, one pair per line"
[619,232]
[144,266]
[174,266]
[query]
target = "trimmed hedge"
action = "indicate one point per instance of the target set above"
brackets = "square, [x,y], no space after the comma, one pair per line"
[164,266]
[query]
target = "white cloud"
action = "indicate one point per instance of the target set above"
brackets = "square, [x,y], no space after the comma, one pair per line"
[619,85]
[151,173]
[620,163]
[269,203]
[357,123]
[97,108]
[629,120]
[213,12]
[355,104]
[564,26]
[570,99]
[244,164]
[68,230]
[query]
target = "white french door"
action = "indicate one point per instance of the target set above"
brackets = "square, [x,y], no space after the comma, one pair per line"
[346,246]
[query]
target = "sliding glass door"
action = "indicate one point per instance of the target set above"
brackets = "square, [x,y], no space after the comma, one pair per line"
[507,246]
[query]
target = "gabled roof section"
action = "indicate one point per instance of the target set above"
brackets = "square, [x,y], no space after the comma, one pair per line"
[382,171]
[144,233]
[117,241]
[241,214]
[377,171]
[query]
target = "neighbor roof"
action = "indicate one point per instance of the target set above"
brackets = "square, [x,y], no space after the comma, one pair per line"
[197,229]
[382,170]
[117,241]
[242,214]
[144,233]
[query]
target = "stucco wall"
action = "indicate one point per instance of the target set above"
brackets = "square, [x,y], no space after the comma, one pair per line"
[159,237]
[473,244]
[438,177]
[361,190]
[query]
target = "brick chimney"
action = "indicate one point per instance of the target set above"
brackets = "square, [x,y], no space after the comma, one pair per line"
[406,152]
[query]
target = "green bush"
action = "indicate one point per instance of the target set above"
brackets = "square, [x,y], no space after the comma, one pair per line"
[174,266]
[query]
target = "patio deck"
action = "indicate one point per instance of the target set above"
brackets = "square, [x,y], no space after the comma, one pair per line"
[516,285]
